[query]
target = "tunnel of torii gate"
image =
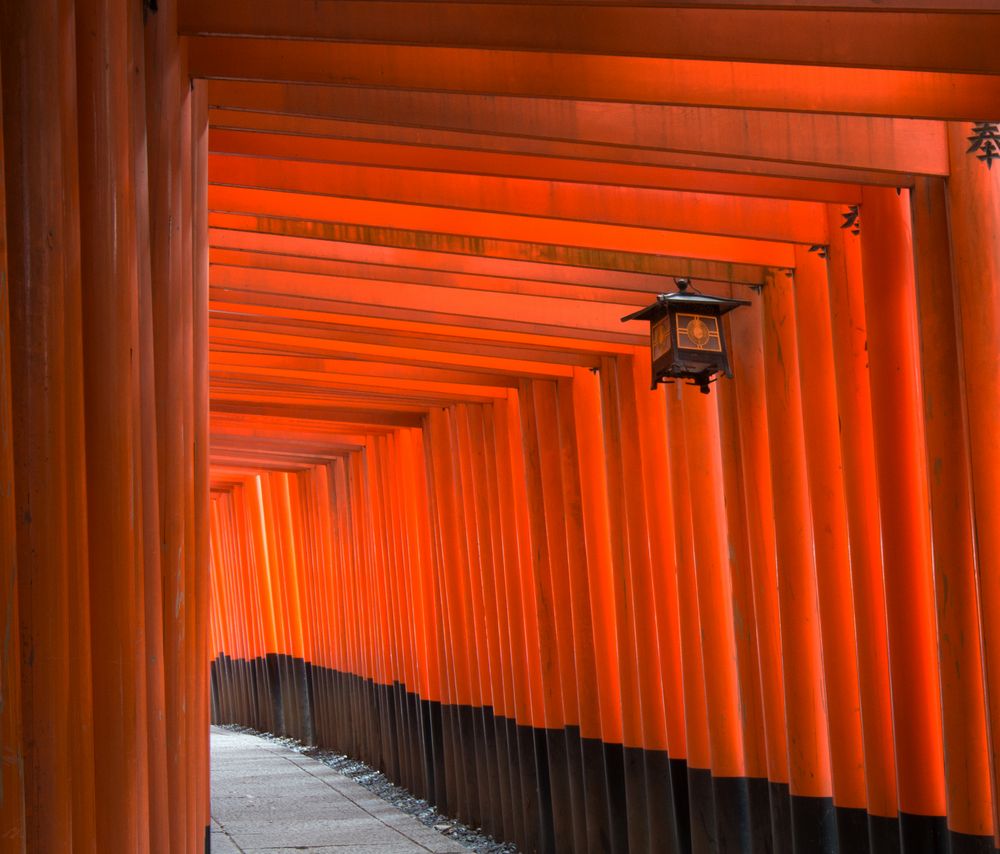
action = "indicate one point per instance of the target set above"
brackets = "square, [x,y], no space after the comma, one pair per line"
[318,416]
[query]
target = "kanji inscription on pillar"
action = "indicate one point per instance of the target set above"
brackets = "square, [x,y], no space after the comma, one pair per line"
[986,140]
[852,219]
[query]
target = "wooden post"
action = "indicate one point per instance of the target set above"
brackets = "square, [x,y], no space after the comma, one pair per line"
[698,825]
[857,452]
[963,707]
[749,389]
[897,413]
[12,817]
[39,99]
[110,340]
[813,827]
[833,569]
[974,218]
[715,604]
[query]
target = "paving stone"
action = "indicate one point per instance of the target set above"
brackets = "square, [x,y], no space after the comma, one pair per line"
[222,844]
[268,799]
[234,811]
[340,849]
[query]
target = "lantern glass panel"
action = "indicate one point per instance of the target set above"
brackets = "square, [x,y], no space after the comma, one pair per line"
[660,341]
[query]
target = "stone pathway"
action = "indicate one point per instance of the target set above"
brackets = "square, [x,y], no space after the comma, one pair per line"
[267,798]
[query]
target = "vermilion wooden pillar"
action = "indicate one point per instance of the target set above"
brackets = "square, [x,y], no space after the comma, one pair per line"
[431,668]
[897,412]
[617,689]
[636,616]
[460,784]
[659,499]
[555,651]
[40,134]
[715,602]
[745,622]
[512,687]
[110,340]
[974,218]
[813,827]
[410,577]
[81,682]
[171,279]
[751,414]
[199,336]
[479,569]
[857,452]
[84,800]
[698,824]
[496,605]
[185,344]
[600,587]
[145,447]
[833,569]
[12,817]
[469,447]
[966,749]
[592,788]
[523,616]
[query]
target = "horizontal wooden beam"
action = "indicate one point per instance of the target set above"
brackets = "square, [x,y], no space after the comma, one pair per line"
[236,455]
[252,427]
[450,250]
[310,127]
[404,299]
[482,224]
[333,414]
[292,335]
[623,79]
[230,434]
[337,370]
[392,328]
[324,386]
[498,164]
[466,281]
[370,261]
[946,42]
[706,213]
[842,141]
[270,339]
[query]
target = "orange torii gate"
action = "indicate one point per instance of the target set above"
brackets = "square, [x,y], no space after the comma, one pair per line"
[312,378]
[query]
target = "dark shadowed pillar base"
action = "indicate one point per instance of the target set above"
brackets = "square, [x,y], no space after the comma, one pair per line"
[701,807]
[852,830]
[814,825]
[781,818]
[921,834]
[636,802]
[732,813]
[663,837]
[759,797]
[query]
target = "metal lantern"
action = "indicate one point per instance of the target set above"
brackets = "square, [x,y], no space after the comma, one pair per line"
[686,336]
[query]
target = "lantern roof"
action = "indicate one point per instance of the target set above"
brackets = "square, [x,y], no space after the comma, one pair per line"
[685,299]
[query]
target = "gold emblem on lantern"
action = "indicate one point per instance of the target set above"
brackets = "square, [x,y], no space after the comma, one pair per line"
[698,332]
